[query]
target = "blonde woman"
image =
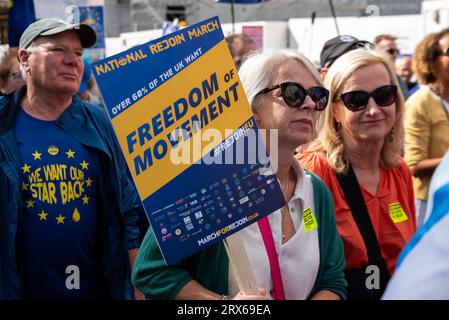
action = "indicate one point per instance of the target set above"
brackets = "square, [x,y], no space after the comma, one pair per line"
[357,156]
[286,94]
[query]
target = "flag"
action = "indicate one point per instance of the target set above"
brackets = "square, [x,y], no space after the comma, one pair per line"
[422,271]
[170,27]
[20,16]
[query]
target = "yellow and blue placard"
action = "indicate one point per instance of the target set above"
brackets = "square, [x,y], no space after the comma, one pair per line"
[189,138]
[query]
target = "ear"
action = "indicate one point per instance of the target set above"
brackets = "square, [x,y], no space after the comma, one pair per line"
[338,113]
[23,56]
[323,73]
[256,114]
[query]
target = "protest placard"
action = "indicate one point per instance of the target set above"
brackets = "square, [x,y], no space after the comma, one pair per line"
[189,138]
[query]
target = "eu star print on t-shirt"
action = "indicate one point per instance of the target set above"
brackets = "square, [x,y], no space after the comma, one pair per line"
[59,221]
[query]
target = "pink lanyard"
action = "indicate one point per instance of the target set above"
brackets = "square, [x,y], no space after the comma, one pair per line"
[278,288]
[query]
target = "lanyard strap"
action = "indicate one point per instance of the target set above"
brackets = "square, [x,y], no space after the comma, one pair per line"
[267,236]
[354,197]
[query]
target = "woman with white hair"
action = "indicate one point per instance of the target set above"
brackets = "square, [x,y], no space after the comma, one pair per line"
[357,156]
[305,258]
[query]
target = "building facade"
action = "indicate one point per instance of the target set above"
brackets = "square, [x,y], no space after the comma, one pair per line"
[137,15]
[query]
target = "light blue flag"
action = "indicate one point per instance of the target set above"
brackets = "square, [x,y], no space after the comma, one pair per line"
[422,271]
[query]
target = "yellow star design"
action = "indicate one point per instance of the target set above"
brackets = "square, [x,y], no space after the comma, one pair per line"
[70,154]
[84,165]
[60,219]
[85,199]
[30,203]
[89,182]
[43,215]
[37,155]
[26,168]
[24,186]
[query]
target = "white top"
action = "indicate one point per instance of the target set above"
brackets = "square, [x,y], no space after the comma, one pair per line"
[299,257]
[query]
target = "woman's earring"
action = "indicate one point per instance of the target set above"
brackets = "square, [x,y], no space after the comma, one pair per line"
[338,124]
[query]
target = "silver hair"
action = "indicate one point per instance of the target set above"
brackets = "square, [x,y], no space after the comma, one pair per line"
[257,70]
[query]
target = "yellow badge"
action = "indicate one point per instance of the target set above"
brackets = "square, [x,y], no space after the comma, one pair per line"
[397,214]
[309,220]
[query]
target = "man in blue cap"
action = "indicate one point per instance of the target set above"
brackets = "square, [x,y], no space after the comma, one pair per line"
[68,213]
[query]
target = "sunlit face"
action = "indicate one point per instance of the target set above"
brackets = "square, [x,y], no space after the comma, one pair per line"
[295,125]
[14,80]
[56,64]
[373,123]
[388,47]
[404,69]
[442,62]
[242,48]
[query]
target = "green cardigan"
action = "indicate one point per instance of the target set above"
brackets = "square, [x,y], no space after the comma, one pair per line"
[210,266]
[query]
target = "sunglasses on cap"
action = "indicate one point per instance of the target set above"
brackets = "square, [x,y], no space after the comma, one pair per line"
[358,100]
[294,94]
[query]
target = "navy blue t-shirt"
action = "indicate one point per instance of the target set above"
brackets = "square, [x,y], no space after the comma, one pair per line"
[59,222]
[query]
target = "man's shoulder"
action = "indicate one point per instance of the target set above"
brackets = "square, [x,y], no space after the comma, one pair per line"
[4,100]
[97,113]
[95,110]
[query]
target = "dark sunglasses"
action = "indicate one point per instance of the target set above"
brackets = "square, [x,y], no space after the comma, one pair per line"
[358,100]
[294,94]
[393,52]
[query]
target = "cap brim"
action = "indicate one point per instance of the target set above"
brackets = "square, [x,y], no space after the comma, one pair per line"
[86,34]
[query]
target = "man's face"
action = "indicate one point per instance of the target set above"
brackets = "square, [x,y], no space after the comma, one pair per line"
[388,47]
[241,49]
[55,63]
[13,80]
[404,69]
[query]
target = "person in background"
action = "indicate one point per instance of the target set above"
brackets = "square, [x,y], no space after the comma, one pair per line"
[357,156]
[10,75]
[386,44]
[404,70]
[427,115]
[240,46]
[336,47]
[86,84]
[68,214]
[286,94]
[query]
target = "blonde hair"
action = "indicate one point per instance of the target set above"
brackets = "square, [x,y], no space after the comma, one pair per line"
[329,141]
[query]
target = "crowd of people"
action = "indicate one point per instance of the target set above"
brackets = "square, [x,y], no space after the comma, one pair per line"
[361,143]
